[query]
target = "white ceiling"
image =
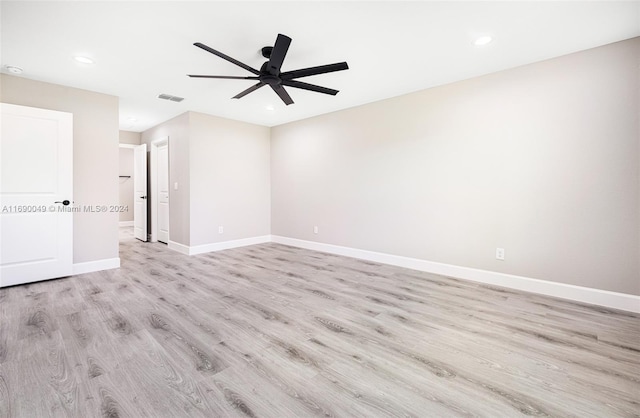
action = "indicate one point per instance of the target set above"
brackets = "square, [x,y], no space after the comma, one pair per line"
[142,48]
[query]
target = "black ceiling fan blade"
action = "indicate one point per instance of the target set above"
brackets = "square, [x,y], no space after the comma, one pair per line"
[311,87]
[278,53]
[249,90]
[280,91]
[231,77]
[228,58]
[322,69]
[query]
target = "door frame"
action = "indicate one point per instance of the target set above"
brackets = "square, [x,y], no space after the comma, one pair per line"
[153,171]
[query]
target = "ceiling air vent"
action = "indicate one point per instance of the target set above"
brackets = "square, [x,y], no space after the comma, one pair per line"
[170,97]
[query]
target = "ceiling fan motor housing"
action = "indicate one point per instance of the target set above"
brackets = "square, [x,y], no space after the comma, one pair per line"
[266,51]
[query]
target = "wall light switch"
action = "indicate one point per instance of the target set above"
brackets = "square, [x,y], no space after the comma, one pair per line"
[315,229]
[220,229]
[175,186]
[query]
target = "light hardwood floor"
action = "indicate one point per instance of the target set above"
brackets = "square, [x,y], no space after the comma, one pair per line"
[275,331]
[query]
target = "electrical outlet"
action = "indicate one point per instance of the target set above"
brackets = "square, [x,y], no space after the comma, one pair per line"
[315,229]
[500,253]
[220,229]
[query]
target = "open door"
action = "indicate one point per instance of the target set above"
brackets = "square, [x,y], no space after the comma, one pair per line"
[140,192]
[36,195]
[163,192]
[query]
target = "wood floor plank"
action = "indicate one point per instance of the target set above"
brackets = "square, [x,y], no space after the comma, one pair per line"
[170,390]
[254,395]
[5,402]
[42,381]
[275,331]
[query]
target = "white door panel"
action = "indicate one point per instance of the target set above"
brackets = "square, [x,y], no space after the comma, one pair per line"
[36,160]
[140,192]
[163,193]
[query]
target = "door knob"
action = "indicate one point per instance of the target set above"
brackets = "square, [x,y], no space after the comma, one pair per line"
[64,202]
[143,197]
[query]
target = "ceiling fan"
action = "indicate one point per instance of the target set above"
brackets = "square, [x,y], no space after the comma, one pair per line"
[270,74]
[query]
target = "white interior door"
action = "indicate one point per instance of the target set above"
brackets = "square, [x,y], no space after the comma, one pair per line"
[140,192]
[36,228]
[163,193]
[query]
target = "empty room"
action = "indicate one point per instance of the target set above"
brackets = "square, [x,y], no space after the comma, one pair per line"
[319,208]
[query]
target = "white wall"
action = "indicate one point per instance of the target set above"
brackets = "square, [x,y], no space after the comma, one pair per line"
[95,157]
[230,179]
[223,170]
[131,138]
[542,160]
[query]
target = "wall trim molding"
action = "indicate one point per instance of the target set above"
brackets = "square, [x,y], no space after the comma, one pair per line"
[176,246]
[218,246]
[98,265]
[125,223]
[589,295]
[575,293]
[225,245]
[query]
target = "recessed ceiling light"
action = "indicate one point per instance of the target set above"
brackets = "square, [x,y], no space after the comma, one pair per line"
[132,119]
[270,107]
[13,69]
[482,40]
[83,60]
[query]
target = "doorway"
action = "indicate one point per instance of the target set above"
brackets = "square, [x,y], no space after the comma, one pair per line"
[126,185]
[133,192]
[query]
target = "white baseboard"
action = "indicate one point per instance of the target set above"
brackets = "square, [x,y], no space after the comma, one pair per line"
[125,223]
[599,297]
[218,246]
[91,266]
[176,246]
